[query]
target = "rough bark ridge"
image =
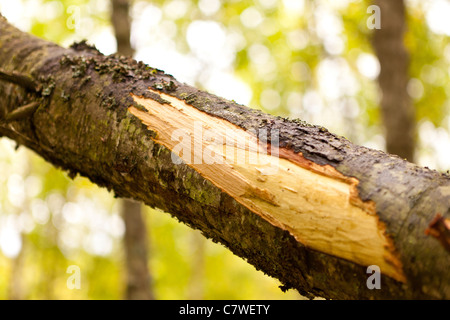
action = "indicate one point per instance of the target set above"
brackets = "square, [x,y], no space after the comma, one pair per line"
[82,124]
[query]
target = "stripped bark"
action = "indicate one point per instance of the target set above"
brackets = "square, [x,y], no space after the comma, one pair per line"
[315,229]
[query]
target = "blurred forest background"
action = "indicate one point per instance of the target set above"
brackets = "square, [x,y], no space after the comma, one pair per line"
[312,60]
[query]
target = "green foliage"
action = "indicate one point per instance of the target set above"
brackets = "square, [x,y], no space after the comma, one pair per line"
[179,253]
[429,66]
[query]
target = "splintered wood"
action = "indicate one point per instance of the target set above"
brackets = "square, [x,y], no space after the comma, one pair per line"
[318,205]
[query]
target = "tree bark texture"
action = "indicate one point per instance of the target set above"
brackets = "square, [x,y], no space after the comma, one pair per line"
[397,110]
[83,124]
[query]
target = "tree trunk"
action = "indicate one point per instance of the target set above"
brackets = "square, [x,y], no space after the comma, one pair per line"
[138,277]
[122,27]
[307,207]
[135,244]
[397,109]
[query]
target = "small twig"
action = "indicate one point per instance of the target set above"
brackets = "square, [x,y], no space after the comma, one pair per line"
[20,79]
[22,112]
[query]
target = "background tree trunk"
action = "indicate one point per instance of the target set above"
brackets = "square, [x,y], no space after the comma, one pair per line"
[120,19]
[332,209]
[135,244]
[136,250]
[397,109]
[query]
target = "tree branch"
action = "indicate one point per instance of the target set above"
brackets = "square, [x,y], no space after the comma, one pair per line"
[296,201]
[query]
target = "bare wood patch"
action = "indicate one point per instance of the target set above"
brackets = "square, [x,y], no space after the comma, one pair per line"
[318,205]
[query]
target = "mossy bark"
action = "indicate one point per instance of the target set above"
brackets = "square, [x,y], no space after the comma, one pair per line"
[82,125]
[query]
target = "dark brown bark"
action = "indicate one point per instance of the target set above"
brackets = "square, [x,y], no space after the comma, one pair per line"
[83,126]
[136,249]
[397,110]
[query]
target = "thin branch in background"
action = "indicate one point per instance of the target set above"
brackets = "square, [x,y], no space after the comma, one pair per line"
[22,112]
[138,280]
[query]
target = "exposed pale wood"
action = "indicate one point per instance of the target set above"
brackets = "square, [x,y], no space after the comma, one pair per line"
[318,205]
